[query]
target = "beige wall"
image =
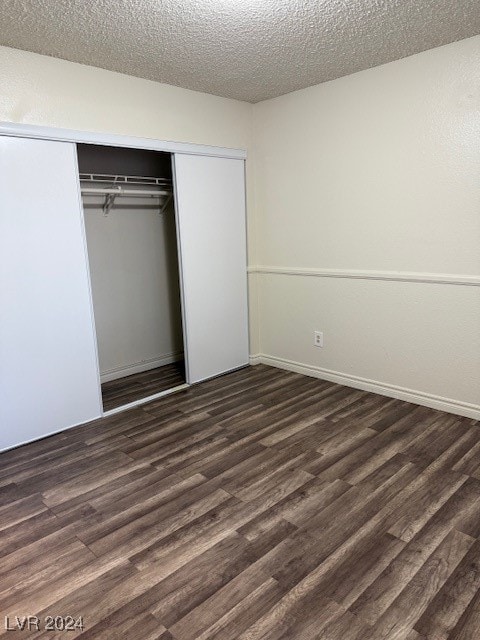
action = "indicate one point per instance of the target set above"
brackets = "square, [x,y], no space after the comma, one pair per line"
[375,174]
[47,91]
[41,90]
[378,171]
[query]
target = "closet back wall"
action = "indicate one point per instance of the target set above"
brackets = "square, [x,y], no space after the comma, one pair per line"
[134,275]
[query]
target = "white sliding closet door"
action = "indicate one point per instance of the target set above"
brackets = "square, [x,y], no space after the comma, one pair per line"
[210,202]
[48,362]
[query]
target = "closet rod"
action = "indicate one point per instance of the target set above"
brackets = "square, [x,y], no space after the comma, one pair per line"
[119,191]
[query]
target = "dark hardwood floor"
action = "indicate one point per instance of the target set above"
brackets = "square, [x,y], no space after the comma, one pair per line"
[141,385]
[259,505]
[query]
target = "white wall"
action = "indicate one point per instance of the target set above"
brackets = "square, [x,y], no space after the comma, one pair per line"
[47,91]
[134,275]
[377,173]
[374,172]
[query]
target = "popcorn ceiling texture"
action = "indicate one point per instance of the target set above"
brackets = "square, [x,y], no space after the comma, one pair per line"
[245,49]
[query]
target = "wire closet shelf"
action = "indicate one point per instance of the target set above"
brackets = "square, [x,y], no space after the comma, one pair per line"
[112,186]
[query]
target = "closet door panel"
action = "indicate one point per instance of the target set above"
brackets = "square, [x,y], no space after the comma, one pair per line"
[210,202]
[48,361]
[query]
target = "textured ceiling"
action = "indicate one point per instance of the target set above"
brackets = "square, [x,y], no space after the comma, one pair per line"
[245,49]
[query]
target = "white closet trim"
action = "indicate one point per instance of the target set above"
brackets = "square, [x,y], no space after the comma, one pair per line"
[112,140]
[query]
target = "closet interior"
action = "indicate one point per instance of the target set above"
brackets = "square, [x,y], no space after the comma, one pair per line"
[133,256]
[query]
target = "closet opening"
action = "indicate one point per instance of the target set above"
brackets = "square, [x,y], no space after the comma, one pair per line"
[133,256]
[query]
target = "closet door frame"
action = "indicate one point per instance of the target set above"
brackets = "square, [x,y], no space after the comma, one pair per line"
[113,140]
[183,302]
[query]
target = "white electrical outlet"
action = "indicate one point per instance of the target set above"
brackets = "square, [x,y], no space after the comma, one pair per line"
[318,338]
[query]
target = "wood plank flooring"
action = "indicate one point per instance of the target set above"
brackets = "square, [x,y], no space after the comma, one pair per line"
[259,505]
[117,393]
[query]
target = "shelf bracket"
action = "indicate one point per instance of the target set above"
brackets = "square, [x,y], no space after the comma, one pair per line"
[165,205]
[109,202]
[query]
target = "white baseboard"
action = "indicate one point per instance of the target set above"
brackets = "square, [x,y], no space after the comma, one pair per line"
[140,367]
[392,391]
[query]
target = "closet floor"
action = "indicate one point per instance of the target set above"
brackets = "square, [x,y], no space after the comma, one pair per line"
[259,505]
[141,385]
